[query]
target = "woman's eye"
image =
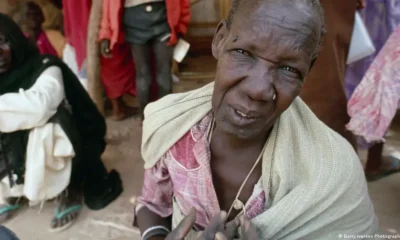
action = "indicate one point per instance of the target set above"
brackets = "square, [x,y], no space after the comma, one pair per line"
[241,51]
[291,71]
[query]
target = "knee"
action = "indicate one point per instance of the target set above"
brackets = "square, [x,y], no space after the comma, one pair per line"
[142,83]
[165,82]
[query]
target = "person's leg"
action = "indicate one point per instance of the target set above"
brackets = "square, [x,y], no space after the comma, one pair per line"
[120,110]
[117,75]
[163,54]
[16,142]
[142,58]
[374,159]
[70,201]
[379,166]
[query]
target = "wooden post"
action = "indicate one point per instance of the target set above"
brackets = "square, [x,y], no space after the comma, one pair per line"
[95,87]
[225,6]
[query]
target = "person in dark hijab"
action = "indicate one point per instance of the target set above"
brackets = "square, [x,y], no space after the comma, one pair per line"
[51,134]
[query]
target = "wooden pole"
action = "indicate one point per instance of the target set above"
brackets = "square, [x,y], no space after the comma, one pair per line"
[225,6]
[95,87]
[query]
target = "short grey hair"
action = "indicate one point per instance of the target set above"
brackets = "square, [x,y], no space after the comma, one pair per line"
[313,3]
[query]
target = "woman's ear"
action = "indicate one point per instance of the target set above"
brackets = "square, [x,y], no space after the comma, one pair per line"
[219,38]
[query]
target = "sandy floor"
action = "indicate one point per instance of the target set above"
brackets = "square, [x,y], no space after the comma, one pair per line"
[114,222]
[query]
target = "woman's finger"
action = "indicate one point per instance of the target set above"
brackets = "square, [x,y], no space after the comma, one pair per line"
[220,236]
[216,225]
[185,225]
[231,228]
[247,230]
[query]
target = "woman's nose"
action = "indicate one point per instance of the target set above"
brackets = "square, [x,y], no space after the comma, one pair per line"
[261,85]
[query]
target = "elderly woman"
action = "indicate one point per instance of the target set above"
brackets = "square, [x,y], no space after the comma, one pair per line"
[247,146]
[51,134]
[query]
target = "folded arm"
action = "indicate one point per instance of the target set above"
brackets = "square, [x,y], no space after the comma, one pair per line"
[33,107]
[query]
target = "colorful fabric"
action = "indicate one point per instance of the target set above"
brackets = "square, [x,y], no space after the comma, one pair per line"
[185,173]
[45,46]
[76,22]
[118,72]
[381,17]
[374,102]
[178,14]
[328,197]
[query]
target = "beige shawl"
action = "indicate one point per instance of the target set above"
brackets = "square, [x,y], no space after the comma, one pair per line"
[314,180]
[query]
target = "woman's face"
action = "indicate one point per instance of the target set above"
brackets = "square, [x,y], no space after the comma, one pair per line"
[263,60]
[5,53]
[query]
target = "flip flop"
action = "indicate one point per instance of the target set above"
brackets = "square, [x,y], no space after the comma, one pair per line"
[7,209]
[394,168]
[59,215]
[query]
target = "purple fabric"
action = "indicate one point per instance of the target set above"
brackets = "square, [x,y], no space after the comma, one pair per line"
[381,17]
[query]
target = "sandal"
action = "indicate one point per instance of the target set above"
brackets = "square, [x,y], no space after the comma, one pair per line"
[69,215]
[394,168]
[7,211]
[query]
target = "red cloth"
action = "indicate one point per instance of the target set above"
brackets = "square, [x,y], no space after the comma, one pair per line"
[76,22]
[44,45]
[118,72]
[178,14]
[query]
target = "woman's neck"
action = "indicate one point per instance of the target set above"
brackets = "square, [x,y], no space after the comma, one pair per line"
[223,143]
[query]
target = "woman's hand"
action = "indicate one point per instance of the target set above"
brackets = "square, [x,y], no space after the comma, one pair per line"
[215,230]
[248,231]
[105,48]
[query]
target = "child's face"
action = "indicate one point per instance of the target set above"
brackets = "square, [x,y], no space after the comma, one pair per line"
[33,16]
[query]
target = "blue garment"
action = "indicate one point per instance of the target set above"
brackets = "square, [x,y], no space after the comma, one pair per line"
[6,234]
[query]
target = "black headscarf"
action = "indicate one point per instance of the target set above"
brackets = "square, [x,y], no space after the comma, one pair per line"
[24,56]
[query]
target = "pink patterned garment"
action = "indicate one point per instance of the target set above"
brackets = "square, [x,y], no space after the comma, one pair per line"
[375,101]
[184,173]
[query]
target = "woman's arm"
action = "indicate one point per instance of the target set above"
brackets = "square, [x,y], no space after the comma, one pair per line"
[184,17]
[155,204]
[35,106]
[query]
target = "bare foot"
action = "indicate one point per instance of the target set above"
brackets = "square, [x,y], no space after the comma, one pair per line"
[67,211]
[123,113]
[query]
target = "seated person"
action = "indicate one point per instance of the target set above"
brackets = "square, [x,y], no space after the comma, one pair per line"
[247,147]
[51,134]
[32,19]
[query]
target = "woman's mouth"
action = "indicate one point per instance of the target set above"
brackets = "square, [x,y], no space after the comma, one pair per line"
[242,114]
[242,119]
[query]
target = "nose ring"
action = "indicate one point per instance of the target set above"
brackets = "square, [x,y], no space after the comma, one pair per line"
[274,97]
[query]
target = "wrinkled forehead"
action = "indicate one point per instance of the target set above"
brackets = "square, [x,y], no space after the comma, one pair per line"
[259,20]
